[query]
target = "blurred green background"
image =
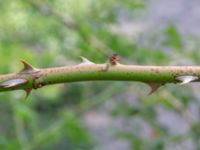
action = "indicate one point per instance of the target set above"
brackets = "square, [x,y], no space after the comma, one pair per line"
[99,115]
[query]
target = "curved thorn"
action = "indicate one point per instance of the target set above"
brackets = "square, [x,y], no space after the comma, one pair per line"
[28,91]
[85,61]
[13,83]
[27,68]
[186,79]
[154,87]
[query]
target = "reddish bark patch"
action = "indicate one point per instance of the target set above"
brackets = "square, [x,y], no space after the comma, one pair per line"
[114,59]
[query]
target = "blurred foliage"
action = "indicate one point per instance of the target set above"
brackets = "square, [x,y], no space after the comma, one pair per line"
[80,116]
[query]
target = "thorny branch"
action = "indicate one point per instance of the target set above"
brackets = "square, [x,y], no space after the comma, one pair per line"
[155,76]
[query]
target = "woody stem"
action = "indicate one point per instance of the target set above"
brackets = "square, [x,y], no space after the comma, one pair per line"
[90,72]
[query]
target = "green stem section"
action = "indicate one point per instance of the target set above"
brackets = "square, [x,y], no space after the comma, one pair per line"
[91,72]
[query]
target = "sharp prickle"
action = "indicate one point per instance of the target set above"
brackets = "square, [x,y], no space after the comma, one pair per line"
[154,87]
[186,79]
[85,61]
[28,68]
